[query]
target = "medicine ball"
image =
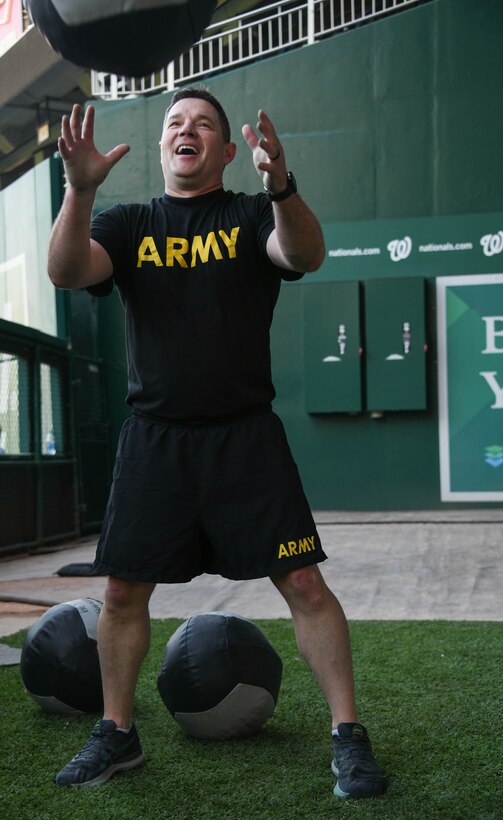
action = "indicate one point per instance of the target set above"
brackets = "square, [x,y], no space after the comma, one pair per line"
[59,660]
[129,37]
[220,677]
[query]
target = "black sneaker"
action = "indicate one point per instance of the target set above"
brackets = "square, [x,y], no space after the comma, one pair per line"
[107,751]
[354,765]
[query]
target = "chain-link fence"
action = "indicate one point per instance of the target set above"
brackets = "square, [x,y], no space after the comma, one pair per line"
[15,401]
[52,416]
[16,395]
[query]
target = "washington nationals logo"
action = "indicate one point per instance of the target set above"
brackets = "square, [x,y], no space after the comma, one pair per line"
[399,248]
[492,243]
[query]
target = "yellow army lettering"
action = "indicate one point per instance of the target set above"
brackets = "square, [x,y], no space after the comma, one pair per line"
[296,547]
[184,253]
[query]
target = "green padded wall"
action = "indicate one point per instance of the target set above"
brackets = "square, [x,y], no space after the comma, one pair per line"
[396,120]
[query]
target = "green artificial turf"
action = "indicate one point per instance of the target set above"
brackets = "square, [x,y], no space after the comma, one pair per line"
[429,692]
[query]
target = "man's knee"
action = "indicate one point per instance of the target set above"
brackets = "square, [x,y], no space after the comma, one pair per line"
[122,595]
[305,584]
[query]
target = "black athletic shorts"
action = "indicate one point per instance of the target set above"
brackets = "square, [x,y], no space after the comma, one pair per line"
[224,498]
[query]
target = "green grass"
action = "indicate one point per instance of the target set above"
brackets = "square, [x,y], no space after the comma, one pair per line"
[429,692]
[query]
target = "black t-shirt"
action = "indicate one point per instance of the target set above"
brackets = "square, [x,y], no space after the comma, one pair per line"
[199,292]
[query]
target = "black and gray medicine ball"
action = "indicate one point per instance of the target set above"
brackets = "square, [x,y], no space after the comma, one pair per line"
[59,660]
[125,37]
[220,677]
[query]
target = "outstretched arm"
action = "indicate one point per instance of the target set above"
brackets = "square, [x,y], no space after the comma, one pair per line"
[297,241]
[75,260]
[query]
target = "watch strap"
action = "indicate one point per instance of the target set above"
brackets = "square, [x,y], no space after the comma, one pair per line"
[290,189]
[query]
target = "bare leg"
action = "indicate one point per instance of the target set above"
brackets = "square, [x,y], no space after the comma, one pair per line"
[123,642]
[322,637]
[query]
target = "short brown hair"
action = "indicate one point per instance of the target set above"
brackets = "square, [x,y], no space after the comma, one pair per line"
[201,93]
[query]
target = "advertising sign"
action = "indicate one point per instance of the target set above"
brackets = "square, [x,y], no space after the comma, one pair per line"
[425,246]
[470,383]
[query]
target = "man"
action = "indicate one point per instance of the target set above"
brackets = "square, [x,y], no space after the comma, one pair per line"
[204,480]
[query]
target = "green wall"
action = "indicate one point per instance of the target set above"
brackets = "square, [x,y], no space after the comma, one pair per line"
[396,120]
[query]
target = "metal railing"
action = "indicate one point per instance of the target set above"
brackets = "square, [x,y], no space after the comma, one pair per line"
[266,30]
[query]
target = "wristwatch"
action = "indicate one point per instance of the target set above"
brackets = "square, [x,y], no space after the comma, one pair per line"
[290,189]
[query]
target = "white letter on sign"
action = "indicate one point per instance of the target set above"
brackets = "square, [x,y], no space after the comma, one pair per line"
[491,334]
[495,387]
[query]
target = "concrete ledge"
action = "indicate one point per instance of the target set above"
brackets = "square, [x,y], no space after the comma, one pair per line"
[381,566]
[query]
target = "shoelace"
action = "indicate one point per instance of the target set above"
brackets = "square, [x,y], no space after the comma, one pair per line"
[352,753]
[91,749]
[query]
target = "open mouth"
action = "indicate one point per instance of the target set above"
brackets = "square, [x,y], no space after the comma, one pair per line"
[186,151]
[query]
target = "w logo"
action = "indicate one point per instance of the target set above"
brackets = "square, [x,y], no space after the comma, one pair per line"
[492,243]
[399,248]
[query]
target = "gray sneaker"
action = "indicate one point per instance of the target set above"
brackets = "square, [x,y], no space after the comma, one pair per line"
[354,764]
[107,751]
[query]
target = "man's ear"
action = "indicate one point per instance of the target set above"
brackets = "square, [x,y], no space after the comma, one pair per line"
[230,152]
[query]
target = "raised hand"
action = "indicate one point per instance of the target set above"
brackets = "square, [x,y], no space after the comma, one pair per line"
[85,166]
[268,155]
